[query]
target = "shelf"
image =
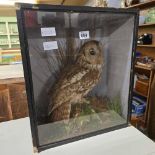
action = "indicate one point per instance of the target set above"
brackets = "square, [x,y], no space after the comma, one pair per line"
[146,50]
[4,44]
[16,34]
[147,25]
[143,67]
[139,93]
[3,34]
[14,22]
[10,72]
[150,46]
[14,43]
[137,117]
[144,5]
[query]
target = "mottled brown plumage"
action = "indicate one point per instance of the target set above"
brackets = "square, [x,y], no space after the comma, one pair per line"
[76,81]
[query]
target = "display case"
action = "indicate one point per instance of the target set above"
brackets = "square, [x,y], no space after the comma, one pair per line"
[78,66]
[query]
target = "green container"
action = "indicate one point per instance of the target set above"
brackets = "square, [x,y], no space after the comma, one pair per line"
[150,18]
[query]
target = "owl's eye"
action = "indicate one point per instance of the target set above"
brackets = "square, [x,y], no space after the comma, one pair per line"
[92,51]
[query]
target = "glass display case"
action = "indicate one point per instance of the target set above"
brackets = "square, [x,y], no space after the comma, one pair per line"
[78,66]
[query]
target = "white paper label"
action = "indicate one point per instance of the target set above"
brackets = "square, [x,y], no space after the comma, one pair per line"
[84,35]
[51,45]
[48,31]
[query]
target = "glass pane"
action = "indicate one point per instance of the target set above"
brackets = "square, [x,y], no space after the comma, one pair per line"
[80,65]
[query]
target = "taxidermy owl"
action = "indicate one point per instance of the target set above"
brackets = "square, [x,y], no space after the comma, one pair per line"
[76,81]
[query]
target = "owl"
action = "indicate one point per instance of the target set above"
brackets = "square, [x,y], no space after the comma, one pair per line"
[76,81]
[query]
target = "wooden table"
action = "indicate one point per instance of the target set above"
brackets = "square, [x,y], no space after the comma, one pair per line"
[13,100]
[11,73]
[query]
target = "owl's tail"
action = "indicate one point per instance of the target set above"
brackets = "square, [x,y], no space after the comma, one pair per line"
[61,113]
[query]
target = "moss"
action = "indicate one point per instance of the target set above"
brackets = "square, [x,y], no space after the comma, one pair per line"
[115,104]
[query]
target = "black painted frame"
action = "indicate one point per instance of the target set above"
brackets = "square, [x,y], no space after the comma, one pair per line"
[27,68]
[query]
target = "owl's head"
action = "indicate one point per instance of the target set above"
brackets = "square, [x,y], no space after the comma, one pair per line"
[91,54]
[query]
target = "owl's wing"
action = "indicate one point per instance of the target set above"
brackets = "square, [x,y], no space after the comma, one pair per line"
[65,88]
[73,78]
